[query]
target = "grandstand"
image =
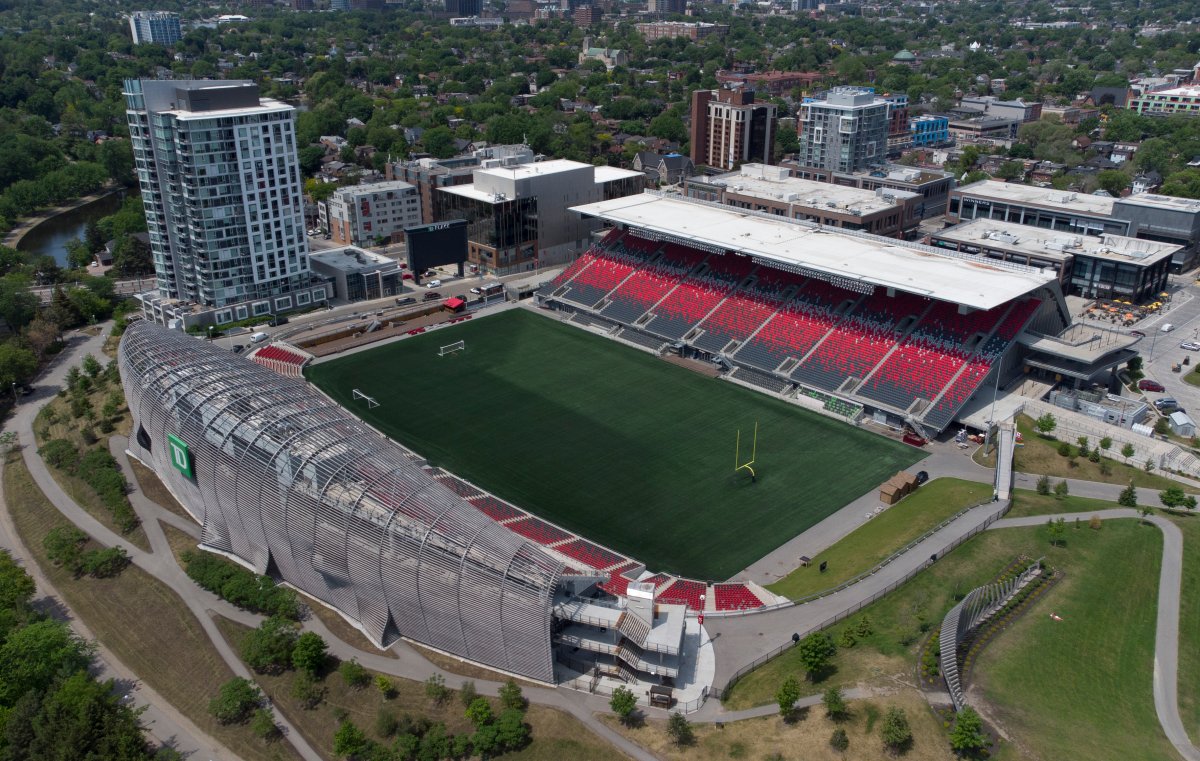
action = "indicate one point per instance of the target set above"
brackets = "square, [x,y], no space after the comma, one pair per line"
[902,330]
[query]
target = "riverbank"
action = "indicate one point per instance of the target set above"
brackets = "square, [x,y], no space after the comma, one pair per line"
[13,238]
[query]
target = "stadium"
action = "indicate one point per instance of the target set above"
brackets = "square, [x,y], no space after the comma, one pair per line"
[584,499]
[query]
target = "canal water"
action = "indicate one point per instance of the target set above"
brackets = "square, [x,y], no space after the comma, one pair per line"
[51,237]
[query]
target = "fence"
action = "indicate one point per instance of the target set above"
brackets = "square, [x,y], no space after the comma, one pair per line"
[830,621]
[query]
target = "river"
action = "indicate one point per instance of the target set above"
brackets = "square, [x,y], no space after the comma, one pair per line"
[51,237]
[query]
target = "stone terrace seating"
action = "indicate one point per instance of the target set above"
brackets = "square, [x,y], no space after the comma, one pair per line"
[734,597]
[684,592]
[538,530]
[850,350]
[494,508]
[590,554]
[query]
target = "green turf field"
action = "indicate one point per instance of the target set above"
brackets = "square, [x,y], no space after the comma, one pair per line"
[619,446]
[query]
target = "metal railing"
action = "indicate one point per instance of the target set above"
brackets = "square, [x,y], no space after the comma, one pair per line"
[851,610]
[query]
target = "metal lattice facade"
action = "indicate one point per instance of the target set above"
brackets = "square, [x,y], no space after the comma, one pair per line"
[294,486]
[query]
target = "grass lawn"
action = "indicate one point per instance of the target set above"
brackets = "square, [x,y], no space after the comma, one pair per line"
[1040,456]
[1189,626]
[139,619]
[556,735]
[879,537]
[625,449]
[1081,688]
[1193,377]
[807,739]
[1029,502]
[1109,590]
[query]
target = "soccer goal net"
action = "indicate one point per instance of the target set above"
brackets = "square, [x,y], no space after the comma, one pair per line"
[370,400]
[451,348]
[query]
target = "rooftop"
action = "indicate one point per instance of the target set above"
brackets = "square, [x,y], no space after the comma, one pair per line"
[1066,199]
[1190,91]
[850,259]
[1049,244]
[351,259]
[265,106]
[769,182]
[374,187]
[600,174]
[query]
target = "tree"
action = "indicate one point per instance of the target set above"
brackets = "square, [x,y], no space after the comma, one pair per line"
[354,675]
[968,737]
[467,693]
[18,304]
[1045,424]
[1106,443]
[1145,511]
[1057,530]
[349,740]
[268,649]
[309,653]
[623,703]
[816,650]
[838,740]
[1011,170]
[1127,451]
[1174,498]
[835,703]
[17,365]
[511,696]
[896,733]
[679,729]
[307,690]
[386,687]
[439,141]
[235,701]
[1082,441]
[480,712]
[263,725]
[787,695]
[436,690]
[1061,489]
[511,731]
[64,547]
[91,366]
[1043,486]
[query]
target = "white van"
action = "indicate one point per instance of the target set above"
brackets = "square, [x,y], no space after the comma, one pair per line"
[258,338]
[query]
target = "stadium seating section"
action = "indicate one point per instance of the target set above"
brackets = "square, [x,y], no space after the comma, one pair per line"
[280,360]
[899,348]
[684,592]
[538,530]
[734,597]
[590,554]
[494,508]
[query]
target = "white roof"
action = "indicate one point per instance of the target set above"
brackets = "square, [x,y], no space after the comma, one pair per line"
[1065,199]
[610,173]
[1187,91]
[772,184]
[265,106]
[867,259]
[1049,244]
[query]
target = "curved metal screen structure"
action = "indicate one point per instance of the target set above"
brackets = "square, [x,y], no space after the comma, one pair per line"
[293,485]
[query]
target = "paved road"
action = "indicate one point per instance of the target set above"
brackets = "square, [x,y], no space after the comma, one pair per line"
[1166,636]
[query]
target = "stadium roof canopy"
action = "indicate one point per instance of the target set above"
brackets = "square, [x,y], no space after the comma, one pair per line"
[846,256]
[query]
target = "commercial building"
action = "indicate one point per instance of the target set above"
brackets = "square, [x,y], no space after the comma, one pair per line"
[932,185]
[990,105]
[844,130]
[666,6]
[770,189]
[429,174]
[286,482]
[1181,101]
[517,215]
[899,136]
[770,82]
[464,7]
[358,275]
[693,30]
[994,129]
[1093,266]
[929,130]
[158,27]
[730,128]
[220,184]
[1146,216]
[362,214]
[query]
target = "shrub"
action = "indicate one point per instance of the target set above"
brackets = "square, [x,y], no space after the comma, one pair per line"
[354,675]
[467,693]
[64,547]
[1043,486]
[1064,449]
[623,703]
[60,454]
[386,687]
[436,690]
[511,696]
[308,691]
[846,639]
[106,563]
[99,470]
[235,701]
[896,733]
[243,588]
[263,725]
[1094,523]
[838,740]
[268,649]
[835,704]
[309,653]
[385,723]
[680,729]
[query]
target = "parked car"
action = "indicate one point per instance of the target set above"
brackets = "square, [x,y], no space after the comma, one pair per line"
[431,295]
[1149,385]
[278,321]
[922,477]
[433,284]
[1167,328]
[1137,333]
[1190,346]
[1165,402]
[406,276]
[405,300]
[476,291]
[239,348]
[258,337]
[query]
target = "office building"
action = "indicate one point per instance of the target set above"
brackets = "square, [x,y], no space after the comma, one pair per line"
[844,130]
[666,6]
[984,128]
[363,214]
[929,130]
[220,184]
[358,275]
[771,189]
[158,27]
[1102,266]
[899,136]
[1146,216]
[692,30]
[517,215]
[1017,110]
[429,174]
[464,7]
[1180,101]
[931,185]
[770,82]
[729,128]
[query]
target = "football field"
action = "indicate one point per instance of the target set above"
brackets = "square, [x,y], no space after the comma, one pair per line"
[613,443]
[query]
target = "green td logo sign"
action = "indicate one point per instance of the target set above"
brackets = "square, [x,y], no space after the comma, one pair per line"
[180,457]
